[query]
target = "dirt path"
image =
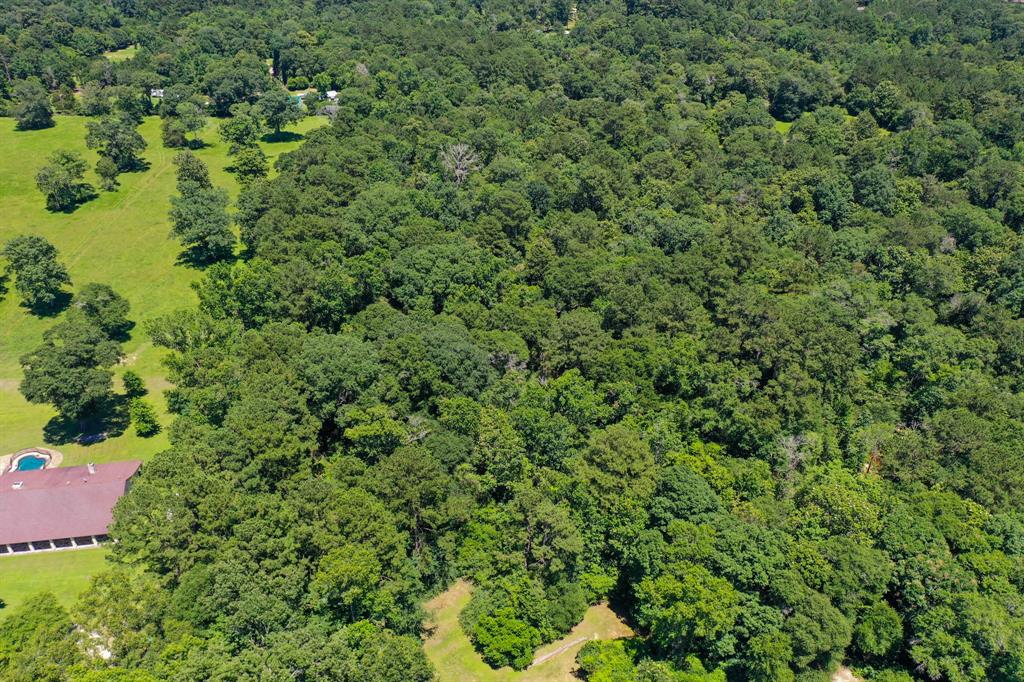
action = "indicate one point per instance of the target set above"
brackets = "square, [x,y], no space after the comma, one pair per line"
[551,654]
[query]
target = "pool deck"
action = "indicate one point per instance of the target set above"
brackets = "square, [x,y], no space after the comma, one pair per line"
[56,458]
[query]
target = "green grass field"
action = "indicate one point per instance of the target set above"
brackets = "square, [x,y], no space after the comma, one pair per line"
[66,574]
[455,660]
[783,126]
[123,54]
[121,239]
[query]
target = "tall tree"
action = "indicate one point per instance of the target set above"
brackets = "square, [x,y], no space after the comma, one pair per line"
[192,173]
[199,215]
[61,180]
[242,130]
[250,164]
[117,138]
[200,220]
[107,309]
[38,276]
[71,369]
[277,109]
[32,109]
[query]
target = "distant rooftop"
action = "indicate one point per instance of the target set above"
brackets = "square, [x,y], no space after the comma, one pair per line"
[64,502]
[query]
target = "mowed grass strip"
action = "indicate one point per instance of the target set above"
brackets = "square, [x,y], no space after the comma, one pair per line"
[120,238]
[66,574]
[122,55]
[454,659]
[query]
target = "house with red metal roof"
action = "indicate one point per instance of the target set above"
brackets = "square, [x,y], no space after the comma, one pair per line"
[60,508]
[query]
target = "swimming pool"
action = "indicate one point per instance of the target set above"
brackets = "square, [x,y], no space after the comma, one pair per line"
[31,463]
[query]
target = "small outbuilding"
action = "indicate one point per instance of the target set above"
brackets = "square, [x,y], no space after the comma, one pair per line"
[61,508]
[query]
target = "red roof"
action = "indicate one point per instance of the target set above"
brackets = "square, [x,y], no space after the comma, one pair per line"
[65,502]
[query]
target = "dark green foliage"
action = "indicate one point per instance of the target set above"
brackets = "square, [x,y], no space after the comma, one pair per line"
[879,632]
[614,661]
[240,79]
[199,216]
[192,174]
[172,132]
[504,640]
[277,109]
[39,276]
[181,118]
[242,130]
[506,622]
[574,316]
[38,642]
[107,170]
[143,416]
[887,105]
[107,309]
[250,164]
[71,369]
[32,109]
[134,387]
[201,222]
[61,181]
[116,138]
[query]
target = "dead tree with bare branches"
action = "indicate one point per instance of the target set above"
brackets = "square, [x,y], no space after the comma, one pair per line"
[459,160]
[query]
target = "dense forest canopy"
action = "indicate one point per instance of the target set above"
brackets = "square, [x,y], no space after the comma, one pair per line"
[710,309]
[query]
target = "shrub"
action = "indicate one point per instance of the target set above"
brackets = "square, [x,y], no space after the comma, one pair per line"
[504,640]
[134,387]
[143,416]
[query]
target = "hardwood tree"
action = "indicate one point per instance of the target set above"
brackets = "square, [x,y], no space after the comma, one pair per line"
[117,138]
[199,216]
[32,109]
[107,309]
[242,130]
[39,277]
[71,369]
[61,181]
[276,108]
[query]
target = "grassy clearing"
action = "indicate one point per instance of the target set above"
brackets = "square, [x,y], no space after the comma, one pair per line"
[455,660]
[121,239]
[66,574]
[123,54]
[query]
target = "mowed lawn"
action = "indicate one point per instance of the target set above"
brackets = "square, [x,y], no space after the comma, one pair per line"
[122,55]
[455,660]
[66,574]
[120,238]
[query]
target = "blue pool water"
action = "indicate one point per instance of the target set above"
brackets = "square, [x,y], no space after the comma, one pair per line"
[31,463]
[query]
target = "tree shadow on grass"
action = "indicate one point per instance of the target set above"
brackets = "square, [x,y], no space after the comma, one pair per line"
[123,333]
[199,260]
[85,194]
[283,136]
[140,166]
[60,303]
[30,128]
[108,420]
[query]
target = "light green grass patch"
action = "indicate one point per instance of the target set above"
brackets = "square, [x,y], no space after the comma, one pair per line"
[121,238]
[65,573]
[123,54]
[454,659]
[783,126]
